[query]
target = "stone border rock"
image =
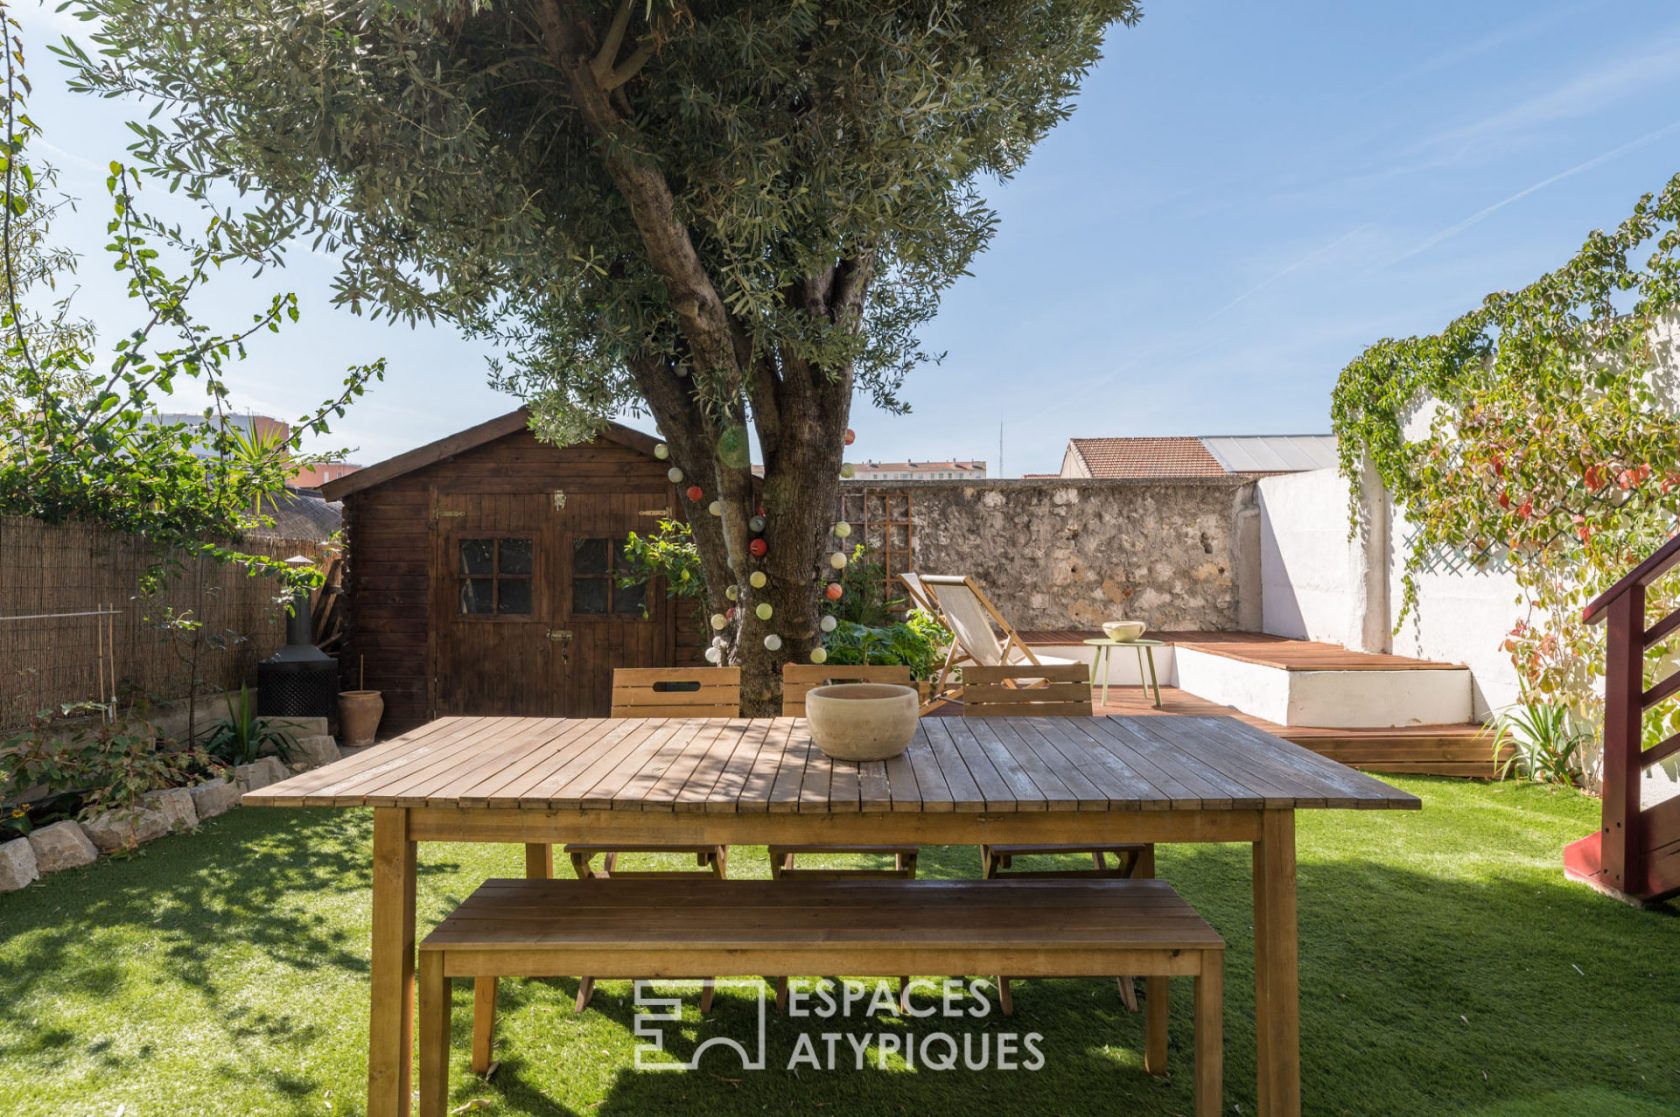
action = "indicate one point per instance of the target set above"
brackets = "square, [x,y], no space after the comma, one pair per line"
[70,845]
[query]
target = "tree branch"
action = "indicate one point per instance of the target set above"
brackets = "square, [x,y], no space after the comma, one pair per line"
[608,54]
[713,338]
[627,69]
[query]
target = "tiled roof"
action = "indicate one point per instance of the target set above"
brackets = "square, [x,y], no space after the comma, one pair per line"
[1135,458]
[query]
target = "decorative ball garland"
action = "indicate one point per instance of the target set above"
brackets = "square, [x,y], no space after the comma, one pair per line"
[733,450]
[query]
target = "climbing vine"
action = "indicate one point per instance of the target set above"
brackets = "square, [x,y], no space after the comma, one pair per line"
[1539,429]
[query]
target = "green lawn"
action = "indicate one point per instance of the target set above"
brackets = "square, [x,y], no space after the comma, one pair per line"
[1446,967]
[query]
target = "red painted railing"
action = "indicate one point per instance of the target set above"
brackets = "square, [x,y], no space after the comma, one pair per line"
[1636,852]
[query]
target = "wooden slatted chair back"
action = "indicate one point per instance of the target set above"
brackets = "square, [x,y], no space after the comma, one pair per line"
[1057,690]
[676,692]
[799,678]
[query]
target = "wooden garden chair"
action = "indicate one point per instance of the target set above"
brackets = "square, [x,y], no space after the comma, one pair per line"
[983,635]
[1047,690]
[662,692]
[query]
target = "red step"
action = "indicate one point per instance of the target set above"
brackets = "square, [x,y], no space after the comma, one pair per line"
[1583,860]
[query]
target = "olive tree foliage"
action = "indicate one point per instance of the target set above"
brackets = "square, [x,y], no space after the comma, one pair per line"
[718,212]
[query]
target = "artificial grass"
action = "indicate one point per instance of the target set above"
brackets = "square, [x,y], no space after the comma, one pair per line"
[1446,967]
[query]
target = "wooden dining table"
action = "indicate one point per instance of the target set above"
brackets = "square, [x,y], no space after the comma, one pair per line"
[963,781]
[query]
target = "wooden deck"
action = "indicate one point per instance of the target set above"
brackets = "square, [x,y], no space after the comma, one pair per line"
[1268,651]
[1436,750]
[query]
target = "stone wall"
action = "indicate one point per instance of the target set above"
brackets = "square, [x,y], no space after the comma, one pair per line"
[1060,553]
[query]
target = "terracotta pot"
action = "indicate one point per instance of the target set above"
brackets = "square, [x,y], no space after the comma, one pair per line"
[862,721]
[359,712]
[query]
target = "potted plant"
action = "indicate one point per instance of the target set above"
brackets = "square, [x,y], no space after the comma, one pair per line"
[359,710]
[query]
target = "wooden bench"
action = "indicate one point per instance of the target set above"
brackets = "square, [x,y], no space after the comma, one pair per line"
[690,929]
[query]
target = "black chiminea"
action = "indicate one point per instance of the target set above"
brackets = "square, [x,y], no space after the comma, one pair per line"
[299,680]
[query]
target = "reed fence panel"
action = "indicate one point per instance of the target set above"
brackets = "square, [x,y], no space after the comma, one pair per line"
[74,626]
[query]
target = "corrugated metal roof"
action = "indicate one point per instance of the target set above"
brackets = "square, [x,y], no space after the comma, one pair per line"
[1273,453]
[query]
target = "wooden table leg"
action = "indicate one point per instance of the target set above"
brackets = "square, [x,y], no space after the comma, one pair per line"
[539,861]
[391,1021]
[1277,995]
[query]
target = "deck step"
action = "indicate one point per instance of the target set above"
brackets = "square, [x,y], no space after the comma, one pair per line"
[1387,693]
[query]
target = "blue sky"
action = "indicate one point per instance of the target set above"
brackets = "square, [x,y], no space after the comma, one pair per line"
[1247,196]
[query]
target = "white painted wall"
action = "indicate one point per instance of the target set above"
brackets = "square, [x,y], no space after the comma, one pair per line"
[1462,618]
[1317,584]
[1311,573]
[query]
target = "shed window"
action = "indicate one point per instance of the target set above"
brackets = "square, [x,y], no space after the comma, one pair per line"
[495,577]
[596,567]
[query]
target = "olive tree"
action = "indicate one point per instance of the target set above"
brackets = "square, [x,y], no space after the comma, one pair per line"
[728,215]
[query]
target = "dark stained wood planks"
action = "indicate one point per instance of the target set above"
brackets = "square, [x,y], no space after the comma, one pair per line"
[400,520]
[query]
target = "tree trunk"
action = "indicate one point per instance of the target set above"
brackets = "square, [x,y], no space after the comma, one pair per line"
[798,410]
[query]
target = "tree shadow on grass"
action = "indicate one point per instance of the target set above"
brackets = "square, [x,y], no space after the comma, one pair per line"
[1500,991]
[1515,995]
[255,878]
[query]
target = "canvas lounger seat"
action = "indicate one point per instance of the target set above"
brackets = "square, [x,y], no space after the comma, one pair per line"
[983,635]
[684,929]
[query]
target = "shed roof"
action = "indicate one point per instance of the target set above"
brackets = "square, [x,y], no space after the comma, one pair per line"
[459,443]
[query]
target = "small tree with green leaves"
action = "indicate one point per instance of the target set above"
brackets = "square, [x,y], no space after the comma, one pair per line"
[80,436]
[729,215]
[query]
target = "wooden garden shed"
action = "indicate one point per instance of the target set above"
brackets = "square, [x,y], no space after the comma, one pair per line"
[480,574]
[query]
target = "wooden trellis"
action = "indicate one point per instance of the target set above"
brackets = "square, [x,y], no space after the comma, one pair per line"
[883,521]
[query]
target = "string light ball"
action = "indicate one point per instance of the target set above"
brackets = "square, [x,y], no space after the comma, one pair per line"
[837,560]
[828,624]
[842,529]
[719,622]
[733,449]
[773,642]
[764,612]
[847,471]
[756,523]
[730,612]
[675,474]
[714,655]
[715,508]
[661,451]
[695,492]
[834,591]
[732,592]
[819,655]
[759,548]
[757,580]
[851,436]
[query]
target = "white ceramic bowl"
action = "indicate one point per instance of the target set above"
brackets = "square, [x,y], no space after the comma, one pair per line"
[862,721]
[1125,630]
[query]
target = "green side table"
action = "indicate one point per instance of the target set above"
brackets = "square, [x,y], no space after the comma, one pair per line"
[1144,648]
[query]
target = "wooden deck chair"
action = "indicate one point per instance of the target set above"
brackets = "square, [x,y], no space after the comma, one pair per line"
[984,636]
[1059,690]
[662,692]
[797,680]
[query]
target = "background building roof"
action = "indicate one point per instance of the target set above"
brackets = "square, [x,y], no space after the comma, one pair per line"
[1198,456]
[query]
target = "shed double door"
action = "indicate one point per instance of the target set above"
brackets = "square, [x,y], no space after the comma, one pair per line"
[528,618]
